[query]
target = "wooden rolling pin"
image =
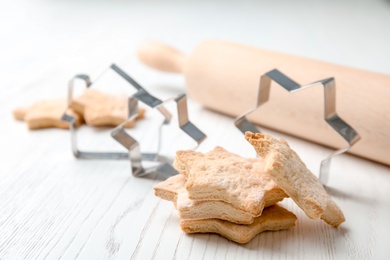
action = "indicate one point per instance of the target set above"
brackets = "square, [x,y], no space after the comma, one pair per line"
[225,77]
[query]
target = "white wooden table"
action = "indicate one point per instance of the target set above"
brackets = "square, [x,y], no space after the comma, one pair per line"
[54,206]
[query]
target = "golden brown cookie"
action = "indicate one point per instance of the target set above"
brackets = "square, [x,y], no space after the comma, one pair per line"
[173,190]
[273,218]
[292,175]
[46,114]
[20,112]
[221,175]
[102,109]
[168,189]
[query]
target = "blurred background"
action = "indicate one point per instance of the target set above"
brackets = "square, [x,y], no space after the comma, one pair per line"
[62,38]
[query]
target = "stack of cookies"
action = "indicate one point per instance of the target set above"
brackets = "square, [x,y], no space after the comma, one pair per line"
[221,192]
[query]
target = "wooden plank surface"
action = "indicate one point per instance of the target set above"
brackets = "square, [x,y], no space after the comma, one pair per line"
[53,206]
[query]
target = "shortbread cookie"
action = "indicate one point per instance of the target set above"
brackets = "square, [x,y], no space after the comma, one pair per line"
[292,175]
[173,190]
[101,109]
[273,218]
[168,189]
[221,175]
[210,209]
[46,114]
[20,112]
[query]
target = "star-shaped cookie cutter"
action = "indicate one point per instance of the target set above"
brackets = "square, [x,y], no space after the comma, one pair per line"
[348,133]
[163,167]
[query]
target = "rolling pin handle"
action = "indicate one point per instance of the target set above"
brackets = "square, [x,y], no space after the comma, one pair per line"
[161,57]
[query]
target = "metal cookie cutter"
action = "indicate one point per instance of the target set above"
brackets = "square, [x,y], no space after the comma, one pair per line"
[330,115]
[163,167]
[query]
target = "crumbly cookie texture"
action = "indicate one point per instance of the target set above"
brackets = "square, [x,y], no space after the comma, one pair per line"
[46,114]
[273,218]
[221,175]
[292,175]
[102,109]
[168,189]
[173,190]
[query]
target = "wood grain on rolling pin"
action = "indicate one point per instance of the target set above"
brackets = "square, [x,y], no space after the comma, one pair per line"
[225,77]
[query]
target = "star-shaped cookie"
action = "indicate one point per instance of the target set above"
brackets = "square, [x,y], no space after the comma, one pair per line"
[221,175]
[273,218]
[102,109]
[173,190]
[292,175]
[46,114]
